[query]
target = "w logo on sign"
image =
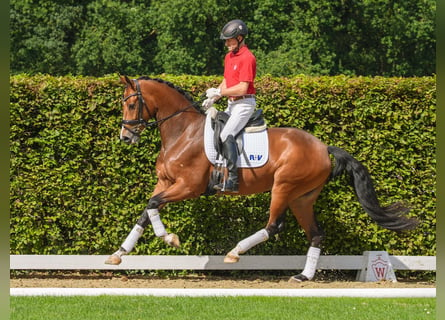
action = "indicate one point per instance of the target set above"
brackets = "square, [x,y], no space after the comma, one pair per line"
[380,268]
[376,267]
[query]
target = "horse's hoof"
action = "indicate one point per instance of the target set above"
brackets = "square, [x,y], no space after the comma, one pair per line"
[114,259]
[231,258]
[298,278]
[172,240]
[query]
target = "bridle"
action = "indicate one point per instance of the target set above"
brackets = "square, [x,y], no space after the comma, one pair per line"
[140,123]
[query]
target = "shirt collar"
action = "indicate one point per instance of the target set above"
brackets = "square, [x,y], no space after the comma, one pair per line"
[240,51]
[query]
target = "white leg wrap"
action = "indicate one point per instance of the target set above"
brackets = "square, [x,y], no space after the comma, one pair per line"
[132,238]
[155,219]
[311,262]
[252,241]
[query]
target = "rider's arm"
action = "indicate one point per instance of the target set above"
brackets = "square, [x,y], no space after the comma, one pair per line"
[237,90]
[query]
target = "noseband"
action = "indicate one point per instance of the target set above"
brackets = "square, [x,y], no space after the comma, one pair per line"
[140,123]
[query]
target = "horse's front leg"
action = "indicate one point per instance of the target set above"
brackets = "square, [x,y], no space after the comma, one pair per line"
[149,215]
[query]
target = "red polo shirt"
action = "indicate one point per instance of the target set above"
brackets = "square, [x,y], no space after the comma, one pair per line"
[240,67]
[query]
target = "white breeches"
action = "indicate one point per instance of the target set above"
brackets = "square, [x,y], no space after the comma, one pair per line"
[240,112]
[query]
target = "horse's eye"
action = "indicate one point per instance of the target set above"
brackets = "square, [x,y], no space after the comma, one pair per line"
[131,106]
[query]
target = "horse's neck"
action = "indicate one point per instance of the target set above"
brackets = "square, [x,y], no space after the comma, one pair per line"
[181,129]
[180,126]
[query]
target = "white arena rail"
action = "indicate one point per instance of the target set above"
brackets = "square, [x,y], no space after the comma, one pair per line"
[209,262]
[222,292]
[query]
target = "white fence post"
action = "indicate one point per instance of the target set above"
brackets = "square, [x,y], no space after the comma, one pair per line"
[377,266]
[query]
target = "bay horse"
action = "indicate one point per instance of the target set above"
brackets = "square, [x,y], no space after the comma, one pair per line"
[299,166]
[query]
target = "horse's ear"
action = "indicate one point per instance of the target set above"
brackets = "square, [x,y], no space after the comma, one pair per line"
[125,80]
[122,78]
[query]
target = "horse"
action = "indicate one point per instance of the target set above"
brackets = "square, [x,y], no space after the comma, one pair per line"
[298,168]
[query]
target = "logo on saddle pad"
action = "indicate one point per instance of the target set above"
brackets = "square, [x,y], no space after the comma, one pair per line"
[255,146]
[255,157]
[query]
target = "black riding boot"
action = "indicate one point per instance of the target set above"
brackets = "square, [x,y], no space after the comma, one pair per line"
[230,153]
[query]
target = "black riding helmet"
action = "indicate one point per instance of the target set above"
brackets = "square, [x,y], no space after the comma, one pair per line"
[234,29]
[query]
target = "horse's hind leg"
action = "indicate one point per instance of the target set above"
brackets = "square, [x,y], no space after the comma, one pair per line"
[275,224]
[302,208]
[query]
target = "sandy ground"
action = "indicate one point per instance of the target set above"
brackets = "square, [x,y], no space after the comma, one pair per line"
[78,280]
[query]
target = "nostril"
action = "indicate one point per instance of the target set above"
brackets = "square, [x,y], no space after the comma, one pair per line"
[126,139]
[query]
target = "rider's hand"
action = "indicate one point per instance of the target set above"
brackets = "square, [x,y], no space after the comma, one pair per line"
[207,103]
[213,93]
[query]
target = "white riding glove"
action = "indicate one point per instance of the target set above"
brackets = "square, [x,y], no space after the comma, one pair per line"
[207,103]
[212,94]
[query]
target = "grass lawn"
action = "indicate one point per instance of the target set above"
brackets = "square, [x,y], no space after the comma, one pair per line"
[215,308]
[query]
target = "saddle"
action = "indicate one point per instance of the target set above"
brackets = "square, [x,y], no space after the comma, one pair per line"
[256,153]
[219,119]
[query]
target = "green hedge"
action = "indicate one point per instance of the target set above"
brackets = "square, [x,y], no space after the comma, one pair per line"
[76,189]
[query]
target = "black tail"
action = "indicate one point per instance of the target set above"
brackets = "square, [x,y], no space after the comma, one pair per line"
[391,217]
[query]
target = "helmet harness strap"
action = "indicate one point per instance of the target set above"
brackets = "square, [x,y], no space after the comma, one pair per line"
[239,43]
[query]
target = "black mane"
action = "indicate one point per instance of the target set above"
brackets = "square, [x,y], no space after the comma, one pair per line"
[187,95]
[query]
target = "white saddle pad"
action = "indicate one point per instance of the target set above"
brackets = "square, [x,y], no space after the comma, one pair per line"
[255,152]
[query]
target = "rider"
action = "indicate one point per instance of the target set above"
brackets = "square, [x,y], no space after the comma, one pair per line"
[238,86]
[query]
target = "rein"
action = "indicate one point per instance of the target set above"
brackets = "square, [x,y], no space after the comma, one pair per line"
[141,121]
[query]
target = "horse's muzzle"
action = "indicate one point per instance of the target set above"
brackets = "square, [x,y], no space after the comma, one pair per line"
[128,136]
[129,140]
